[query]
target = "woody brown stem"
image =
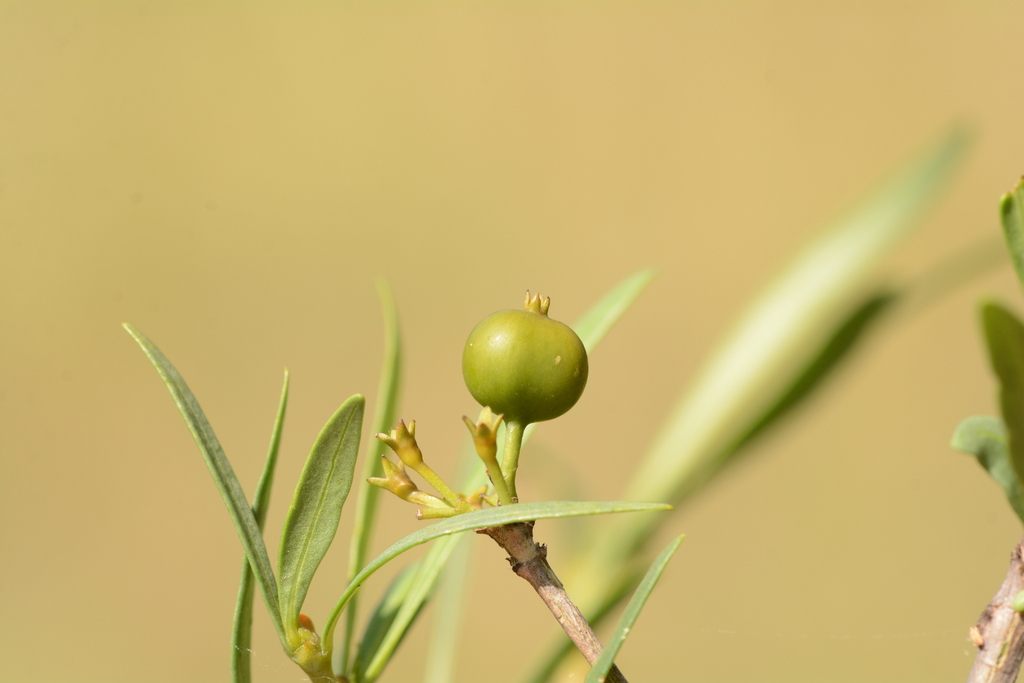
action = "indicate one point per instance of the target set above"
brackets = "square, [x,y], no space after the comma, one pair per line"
[999,633]
[529,561]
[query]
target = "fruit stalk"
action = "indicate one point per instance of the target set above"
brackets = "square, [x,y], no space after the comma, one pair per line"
[510,458]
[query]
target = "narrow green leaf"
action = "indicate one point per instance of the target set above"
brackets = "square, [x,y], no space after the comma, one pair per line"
[793,316]
[223,476]
[241,633]
[1011,210]
[368,496]
[316,509]
[603,315]
[599,671]
[986,439]
[423,586]
[508,514]
[445,631]
[836,348]
[774,342]
[1004,335]
[382,618]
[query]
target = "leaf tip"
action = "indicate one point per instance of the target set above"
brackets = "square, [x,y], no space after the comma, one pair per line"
[1006,201]
[134,333]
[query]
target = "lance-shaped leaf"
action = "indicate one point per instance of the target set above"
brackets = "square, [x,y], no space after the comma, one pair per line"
[316,509]
[439,666]
[1004,336]
[367,496]
[792,317]
[241,632]
[223,475]
[835,349]
[1011,210]
[420,590]
[599,671]
[985,438]
[508,514]
[383,617]
[602,316]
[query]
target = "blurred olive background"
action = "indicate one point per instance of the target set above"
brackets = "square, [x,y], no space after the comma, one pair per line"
[232,177]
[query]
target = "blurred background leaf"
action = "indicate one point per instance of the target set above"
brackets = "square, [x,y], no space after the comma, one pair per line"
[1004,335]
[986,439]
[781,349]
[1011,209]
[368,497]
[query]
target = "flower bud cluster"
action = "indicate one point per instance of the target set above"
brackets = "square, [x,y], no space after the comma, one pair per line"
[402,440]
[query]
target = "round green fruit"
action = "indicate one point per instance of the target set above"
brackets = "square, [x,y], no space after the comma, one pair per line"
[525,365]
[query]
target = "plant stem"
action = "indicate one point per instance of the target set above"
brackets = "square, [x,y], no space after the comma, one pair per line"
[432,478]
[999,632]
[529,561]
[498,480]
[510,458]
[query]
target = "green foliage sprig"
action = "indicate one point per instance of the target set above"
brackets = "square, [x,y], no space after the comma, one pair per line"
[781,351]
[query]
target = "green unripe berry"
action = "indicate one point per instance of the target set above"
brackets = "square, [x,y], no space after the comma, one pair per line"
[525,365]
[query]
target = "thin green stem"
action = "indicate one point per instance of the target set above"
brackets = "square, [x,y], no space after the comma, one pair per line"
[498,479]
[510,459]
[432,478]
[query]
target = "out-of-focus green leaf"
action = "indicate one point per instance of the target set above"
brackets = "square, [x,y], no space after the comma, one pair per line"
[507,514]
[599,671]
[313,517]
[368,496]
[603,315]
[780,336]
[835,349]
[241,633]
[770,348]
[445,628]
[423,586]
[1004,335]
[985,438]
[223,476]
[1011,210]
[382,618]
[788,322]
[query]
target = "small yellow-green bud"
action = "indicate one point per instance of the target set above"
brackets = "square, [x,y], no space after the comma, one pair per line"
[485,433]
[402,440]
[395,479]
